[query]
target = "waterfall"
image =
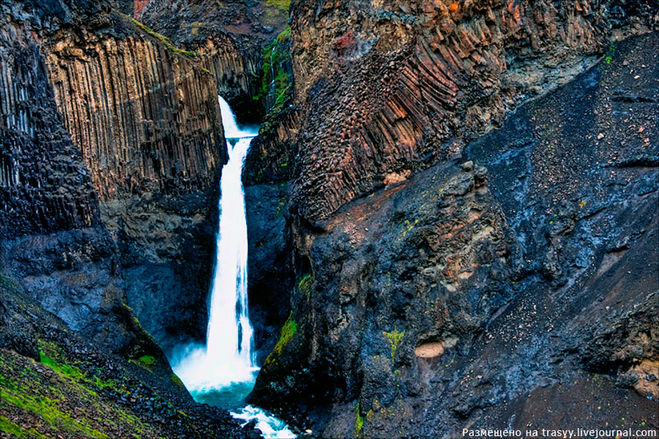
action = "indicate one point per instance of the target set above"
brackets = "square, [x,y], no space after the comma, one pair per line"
[230,335]
[223,371]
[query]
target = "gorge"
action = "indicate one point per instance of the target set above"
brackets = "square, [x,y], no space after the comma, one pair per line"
[425,216]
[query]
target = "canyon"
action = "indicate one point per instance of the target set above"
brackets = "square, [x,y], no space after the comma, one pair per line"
[451,212]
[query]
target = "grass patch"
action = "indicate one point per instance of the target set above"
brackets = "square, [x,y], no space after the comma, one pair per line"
[359,421]
[394,337]
[282,5]
[163,39]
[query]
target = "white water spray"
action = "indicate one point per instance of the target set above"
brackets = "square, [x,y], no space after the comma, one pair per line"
[224,370]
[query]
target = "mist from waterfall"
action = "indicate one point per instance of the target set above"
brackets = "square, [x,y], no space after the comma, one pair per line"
[223,371]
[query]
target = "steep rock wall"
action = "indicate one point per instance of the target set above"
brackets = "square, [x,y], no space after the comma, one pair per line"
[51,233]
[146,118]
[44,183]
[389,88]
[121,156]
[517,288]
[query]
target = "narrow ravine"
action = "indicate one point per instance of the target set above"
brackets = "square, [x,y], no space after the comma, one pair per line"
[223,371]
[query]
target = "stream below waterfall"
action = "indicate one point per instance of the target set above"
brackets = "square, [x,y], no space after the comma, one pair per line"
[222,372]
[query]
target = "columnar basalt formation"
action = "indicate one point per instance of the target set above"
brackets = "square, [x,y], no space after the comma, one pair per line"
[509,291]
[127,139]
[53,239]
[144,118]
[229,36]
[392,87]
[44,183]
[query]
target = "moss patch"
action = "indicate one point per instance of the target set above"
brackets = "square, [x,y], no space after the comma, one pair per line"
[54,398]
[163,39]
[304,285]
[177,381]
[394,338]
[359,421]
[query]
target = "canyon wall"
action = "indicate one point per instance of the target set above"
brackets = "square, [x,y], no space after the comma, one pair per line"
[146,117]
[123,156]
[229,37]
[441,277]
[388,88]
[515,287]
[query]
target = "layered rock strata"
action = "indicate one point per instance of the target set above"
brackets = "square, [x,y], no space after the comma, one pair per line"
[389,88]
[514,290]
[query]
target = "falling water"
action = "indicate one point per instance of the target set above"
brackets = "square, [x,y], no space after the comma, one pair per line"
[222,372]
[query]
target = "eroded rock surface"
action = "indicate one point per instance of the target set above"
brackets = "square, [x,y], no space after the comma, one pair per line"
[528,262]
[388,88]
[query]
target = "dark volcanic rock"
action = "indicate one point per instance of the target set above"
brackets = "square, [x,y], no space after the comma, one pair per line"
[270,271]
[388,88]
[517,289]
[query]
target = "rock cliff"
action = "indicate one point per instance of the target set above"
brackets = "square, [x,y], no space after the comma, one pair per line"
[389,88]
[446,280]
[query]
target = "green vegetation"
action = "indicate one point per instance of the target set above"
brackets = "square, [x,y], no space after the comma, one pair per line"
[305,285]
[62,369]
[276,82]
[177,381]
[394,338]
[359,421]
[57,397]
[282,5]
[146,362]
[46,409]
[163,39]
[609,54]
[288,331]
[6,426]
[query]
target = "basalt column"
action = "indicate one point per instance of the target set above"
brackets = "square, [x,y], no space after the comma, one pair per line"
[146,118]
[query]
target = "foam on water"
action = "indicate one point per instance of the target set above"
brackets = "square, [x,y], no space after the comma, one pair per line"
[222,371]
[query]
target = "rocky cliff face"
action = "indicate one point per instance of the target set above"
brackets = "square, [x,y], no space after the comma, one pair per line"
[121,160]
[389,88]
[229,36]
[110,155]
[426,286]
[148,124]
[478,295]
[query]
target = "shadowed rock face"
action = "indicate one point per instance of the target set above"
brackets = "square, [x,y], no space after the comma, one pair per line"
[228,36]
[527,265]
[121,156]
[388,88]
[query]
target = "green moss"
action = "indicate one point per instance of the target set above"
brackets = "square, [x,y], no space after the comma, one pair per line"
[145,362]
[288,331]
[177,381]
[6,426]
[305,285]
[46,409]
[163,39]
[394,337]
[275,77]
[359,421]
[282,5]
[62,369]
